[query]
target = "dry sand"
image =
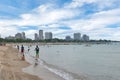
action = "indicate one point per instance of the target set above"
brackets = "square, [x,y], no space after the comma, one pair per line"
[11,65]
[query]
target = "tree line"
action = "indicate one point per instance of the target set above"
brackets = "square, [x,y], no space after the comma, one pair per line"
[49,40]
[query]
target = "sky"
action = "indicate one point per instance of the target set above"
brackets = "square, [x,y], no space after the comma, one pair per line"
[99,19]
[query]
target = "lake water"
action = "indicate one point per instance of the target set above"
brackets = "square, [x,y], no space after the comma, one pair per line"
[76,62]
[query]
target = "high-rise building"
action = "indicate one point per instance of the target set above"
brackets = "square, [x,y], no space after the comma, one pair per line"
[18,35]
[23,35]
[40,34]
[36,36]
[77,36]
[85,37]
[48,35]
[68,38]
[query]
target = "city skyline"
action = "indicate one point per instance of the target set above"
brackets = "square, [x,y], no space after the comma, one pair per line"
[99,19]
[49,35]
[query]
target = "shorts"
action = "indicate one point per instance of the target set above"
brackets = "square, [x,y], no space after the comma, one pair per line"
[37,52]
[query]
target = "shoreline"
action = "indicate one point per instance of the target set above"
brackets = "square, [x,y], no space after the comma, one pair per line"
[11,65]
[60,43]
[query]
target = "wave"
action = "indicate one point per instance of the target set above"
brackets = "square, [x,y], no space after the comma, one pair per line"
[66,75]
[57,71]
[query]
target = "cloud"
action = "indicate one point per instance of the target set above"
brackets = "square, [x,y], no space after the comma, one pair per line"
[46,14]
[97,20]
[101,5]
[78,3]
[6,31]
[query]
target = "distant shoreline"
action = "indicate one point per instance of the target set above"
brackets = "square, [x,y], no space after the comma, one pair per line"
[61,43]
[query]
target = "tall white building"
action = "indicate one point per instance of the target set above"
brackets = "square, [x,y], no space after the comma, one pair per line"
[48,35]
[85,37]
[23,35]
[40,34]
[36,36]
[77,36]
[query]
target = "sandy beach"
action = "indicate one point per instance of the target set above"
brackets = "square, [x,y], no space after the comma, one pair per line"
[11,65]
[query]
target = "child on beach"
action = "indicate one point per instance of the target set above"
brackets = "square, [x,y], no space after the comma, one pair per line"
[37,52]
[22,52]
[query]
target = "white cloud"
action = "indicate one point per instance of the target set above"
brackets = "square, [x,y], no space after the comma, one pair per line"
[6,31]
[43,16]
[78,3]
[97,20]
[99,5]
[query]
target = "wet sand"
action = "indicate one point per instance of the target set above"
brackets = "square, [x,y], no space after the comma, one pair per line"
[11,65]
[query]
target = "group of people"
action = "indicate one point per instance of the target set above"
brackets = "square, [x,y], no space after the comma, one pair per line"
[22,50]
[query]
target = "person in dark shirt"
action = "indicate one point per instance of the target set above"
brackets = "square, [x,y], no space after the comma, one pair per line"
[37,52]
[22,52]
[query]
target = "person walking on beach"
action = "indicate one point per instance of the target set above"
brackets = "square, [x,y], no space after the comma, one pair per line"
[18,47]
[37,52]
[22,52]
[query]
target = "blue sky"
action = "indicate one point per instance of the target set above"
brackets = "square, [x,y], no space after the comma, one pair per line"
[100,19]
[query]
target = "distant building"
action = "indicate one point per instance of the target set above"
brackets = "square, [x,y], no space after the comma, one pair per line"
[23,35]
[77,36]
[36,36]
[10,37]
[48,35]
[18,36]
[68,38]
[40,34]
[85,37]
